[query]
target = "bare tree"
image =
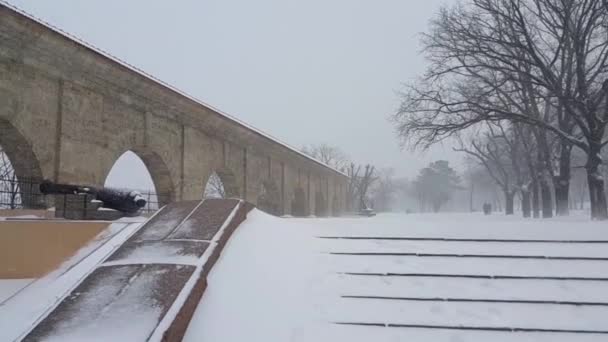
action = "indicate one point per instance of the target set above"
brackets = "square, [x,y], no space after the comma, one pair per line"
[517,60]
[352,189]
[532,164]
[482,188]
[329,155]
[367,179]
[361,178]
[493,154]
[508,153]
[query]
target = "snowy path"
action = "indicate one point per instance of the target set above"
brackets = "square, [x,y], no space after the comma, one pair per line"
[279,281]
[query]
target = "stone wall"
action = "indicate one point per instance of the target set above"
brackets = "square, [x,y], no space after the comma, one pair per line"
[30,249]
[68,112]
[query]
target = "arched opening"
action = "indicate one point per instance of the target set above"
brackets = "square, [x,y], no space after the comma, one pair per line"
[214,187]
[221,184]
[320,205]
[20,172]
[10,191]
[298,203]
[145,172]
[269,199]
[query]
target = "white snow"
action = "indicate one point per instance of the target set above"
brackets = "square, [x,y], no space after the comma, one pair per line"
[173,216]
[155,253]
[130,311]
[20,217]
[189,286]
[277,281]
[20,312]
[9,287]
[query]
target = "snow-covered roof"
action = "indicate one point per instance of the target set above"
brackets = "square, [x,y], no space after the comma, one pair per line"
[162,83]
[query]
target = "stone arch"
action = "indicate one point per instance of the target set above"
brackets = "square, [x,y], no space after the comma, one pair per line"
[158,170]
[222,183]
[269,198]
[320,204]
[24,165]
[298,203]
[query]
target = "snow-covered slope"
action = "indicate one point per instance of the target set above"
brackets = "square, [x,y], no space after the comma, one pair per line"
[23,308]
[458,277]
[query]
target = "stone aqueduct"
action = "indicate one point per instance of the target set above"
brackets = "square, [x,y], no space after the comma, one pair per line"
[68,111]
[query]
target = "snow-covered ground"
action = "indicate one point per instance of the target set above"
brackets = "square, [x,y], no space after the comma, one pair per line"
[449,277]
[24,301]
[9,287]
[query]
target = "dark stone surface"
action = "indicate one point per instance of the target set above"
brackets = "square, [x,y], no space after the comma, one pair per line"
[176,248]
[206,220]
[179,326]
[112,293]
[145,290]
[165,222]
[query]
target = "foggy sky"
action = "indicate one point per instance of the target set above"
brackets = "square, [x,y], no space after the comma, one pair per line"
[308,71]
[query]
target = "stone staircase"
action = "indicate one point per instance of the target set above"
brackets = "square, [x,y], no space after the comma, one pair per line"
[148,289]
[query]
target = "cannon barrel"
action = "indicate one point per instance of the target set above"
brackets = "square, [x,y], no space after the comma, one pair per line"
[122,200]
[126,201]
[50,188]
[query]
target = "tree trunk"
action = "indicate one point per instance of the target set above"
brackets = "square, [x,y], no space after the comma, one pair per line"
[561,182]
[535,200]
[471,209]
[525,203]
[544,173]
[562,207]
[496,199]
[597,195]
[509,195]
[545,194]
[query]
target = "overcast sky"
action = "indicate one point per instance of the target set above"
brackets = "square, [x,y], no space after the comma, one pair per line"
[307,71]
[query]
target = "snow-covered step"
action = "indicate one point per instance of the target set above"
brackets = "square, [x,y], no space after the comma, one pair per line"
[561,249]
[350,333]
[465,226]
[523,289]
[484,315]
[470,266]
[293,287]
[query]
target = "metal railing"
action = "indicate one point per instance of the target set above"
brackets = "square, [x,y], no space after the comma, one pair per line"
[20,194]
[24,193]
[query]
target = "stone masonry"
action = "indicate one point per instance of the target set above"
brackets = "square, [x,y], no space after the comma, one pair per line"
[68,112]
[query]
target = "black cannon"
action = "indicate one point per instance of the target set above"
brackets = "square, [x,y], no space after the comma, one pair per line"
[125,201]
